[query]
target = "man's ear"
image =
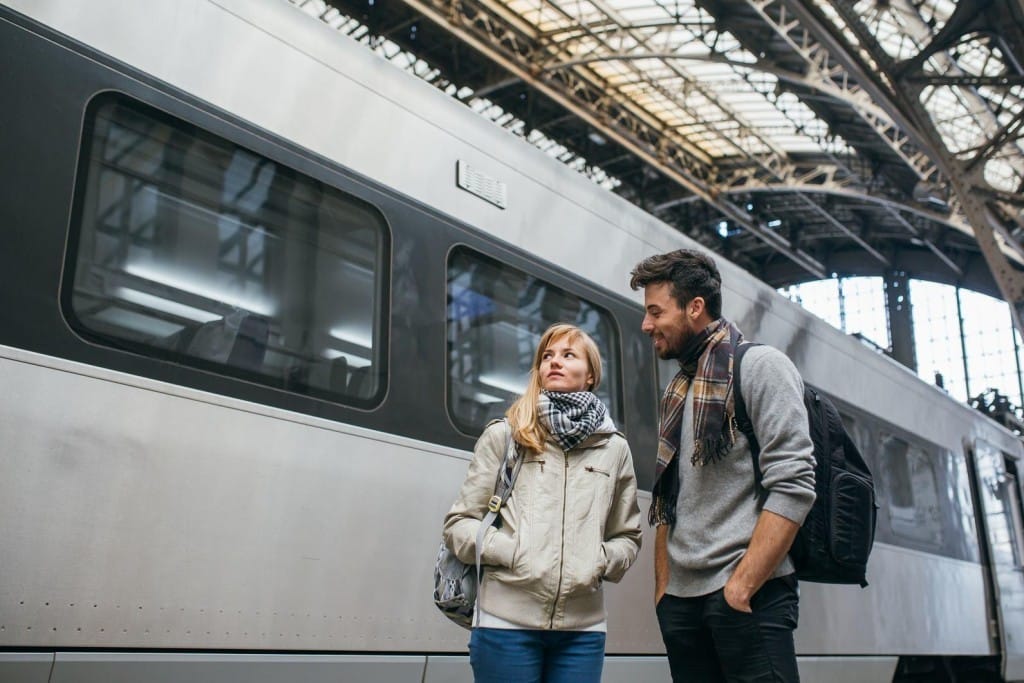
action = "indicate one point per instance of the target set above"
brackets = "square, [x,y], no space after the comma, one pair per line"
[695,306]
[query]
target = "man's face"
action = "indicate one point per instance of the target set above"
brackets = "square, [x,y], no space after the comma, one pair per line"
[668,325]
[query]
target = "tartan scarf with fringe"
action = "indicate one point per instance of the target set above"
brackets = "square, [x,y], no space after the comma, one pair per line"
[570,417]
[706,361]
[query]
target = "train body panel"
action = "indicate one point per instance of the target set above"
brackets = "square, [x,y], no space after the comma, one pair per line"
[901,611]
[198,511]
[200,522]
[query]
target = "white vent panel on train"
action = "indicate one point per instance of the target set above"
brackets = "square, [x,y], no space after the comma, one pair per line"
[477,182]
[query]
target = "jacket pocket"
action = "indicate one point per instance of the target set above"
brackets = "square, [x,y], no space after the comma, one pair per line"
[500,549]
[586,570]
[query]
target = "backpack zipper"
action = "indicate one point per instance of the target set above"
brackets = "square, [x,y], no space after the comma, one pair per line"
[826,468]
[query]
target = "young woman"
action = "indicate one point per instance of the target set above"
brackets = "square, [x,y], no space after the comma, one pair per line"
[571,523]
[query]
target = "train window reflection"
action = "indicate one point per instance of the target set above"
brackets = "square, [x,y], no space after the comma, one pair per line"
[194,249]
[496,315]
[858,434]
[667,371]
[1014,510]
[913,493]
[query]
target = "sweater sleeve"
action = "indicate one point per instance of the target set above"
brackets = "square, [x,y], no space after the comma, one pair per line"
[462,522]
[773,393]
[623,533]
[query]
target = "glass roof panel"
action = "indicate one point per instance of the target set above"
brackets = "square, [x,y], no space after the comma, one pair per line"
[669,63]
[977,58]
[668,59]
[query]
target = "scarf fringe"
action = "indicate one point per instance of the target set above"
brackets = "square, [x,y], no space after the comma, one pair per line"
[711,449]
[659,513]
[663,496]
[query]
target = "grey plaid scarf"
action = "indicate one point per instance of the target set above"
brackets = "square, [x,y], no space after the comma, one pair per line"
[570,417]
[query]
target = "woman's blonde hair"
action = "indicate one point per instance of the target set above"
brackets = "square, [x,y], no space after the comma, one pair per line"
[522,416]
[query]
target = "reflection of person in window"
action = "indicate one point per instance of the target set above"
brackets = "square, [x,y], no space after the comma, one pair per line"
[239,339]
[571,523]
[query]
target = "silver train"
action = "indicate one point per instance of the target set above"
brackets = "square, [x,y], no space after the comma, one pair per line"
[261,289]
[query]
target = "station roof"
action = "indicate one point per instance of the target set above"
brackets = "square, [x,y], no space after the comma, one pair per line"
[800,138]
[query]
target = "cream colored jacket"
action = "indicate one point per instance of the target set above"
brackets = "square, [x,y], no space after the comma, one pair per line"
[571,523]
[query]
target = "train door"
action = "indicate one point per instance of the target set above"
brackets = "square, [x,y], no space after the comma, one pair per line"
[999,500]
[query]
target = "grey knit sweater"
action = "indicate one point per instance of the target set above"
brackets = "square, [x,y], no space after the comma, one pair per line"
[717,509]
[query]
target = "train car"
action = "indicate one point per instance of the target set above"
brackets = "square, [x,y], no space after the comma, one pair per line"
[262,289]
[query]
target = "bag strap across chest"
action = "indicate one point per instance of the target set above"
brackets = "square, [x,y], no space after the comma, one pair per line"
[743,422]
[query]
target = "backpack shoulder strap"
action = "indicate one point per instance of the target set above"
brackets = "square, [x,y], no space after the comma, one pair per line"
[508,472]
[742,417]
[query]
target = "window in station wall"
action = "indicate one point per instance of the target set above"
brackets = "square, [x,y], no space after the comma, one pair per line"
[854,305]
[992,361]
[819,297]
[940,356]
[863,309]
[962,339]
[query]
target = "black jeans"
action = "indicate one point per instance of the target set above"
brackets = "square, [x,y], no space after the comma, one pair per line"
[707,640]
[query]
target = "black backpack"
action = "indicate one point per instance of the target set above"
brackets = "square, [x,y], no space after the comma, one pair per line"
[835,540]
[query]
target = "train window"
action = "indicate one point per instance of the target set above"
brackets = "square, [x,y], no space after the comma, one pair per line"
[1014,510]
[194,249]
[667,370]
[850,425]
[913,493]
[858,434]
[496,315]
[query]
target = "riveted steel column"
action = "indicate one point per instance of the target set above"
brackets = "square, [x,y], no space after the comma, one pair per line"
[901,321]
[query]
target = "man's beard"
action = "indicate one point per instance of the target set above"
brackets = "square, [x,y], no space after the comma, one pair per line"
[675,351]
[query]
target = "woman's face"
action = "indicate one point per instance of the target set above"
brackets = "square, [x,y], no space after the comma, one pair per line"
[564,367]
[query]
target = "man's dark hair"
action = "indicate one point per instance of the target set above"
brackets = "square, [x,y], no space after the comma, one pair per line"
[691,273]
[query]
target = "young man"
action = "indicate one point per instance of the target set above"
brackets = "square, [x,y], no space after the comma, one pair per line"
[726,599]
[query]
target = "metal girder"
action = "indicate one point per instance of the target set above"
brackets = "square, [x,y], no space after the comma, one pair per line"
[787,18]
[618,118]
[1010,132]
[899,93]
[823,75]
[633,85]
[746,182]
[583,44]
[834,180]
[841,91]
[969,81]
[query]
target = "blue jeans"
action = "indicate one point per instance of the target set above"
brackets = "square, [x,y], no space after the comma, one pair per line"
[526,656]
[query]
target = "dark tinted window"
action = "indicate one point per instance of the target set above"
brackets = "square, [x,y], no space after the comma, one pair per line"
[496,316]
[192,248]
[912,490]
[667,371]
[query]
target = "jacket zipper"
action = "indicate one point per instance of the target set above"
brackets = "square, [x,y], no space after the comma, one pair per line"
[590,468]
[561,553]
